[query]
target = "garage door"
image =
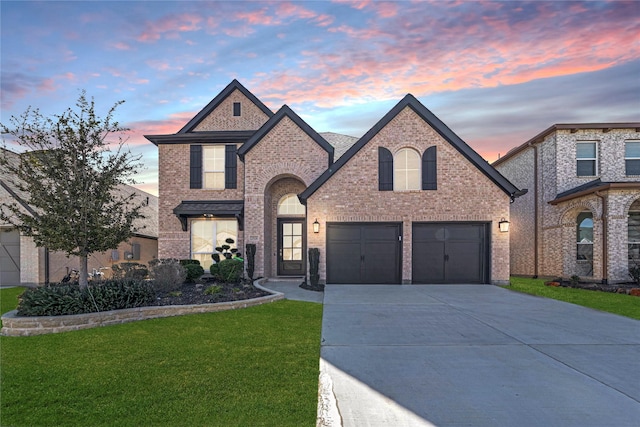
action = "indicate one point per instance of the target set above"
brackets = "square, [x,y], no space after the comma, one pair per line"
[364,253]
[450,253]
[9,257]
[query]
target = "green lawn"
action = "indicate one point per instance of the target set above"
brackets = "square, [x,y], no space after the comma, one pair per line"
[625,305]
[249,367]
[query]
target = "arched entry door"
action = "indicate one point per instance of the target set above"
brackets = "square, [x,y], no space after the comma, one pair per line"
[291,236]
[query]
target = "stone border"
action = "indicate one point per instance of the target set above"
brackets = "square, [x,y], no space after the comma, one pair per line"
[16,326]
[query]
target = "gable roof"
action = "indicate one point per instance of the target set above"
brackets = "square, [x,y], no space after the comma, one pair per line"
[446,133]
[283,112]
[231,87]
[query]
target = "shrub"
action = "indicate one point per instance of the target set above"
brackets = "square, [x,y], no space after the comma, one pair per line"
[634,272]
[227,270]
[59,300]
[194,272]
[251,259]
[129,270]
[314,262]
[213,289]
[184,262]
[167,274]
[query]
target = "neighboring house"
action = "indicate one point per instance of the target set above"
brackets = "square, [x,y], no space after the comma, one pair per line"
[409,202]
[21,262]
[582,213]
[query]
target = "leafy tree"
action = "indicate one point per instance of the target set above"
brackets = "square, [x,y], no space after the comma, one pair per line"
[71,175]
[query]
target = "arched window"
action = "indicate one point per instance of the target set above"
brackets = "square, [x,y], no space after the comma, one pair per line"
[290,205]
[584,236]
[406,170]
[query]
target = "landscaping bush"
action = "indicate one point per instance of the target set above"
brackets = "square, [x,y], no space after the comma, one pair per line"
[194,272]
[59,300]
[185,262]
[167,274]
[227,270]
[251,259]
[634,272]
[129,270]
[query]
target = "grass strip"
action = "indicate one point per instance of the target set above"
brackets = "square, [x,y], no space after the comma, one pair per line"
[256,366]
[624,305]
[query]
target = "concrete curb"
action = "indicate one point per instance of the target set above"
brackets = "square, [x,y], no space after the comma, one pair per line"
[328,412]
[259,283]
[13,325]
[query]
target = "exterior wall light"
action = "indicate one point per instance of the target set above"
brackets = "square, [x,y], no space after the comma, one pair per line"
[503,225]
[316,226]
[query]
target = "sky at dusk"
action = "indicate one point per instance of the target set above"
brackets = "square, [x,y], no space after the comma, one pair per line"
[497,73]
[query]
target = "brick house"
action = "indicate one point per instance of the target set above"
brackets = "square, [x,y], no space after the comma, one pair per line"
[409,202]
[22,262]
[582,213]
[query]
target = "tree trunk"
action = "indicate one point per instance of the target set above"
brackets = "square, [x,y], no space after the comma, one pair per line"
[84,272]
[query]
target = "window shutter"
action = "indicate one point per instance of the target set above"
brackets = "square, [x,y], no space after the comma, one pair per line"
[429,169]
[230,167]
[195,168]
[385,170]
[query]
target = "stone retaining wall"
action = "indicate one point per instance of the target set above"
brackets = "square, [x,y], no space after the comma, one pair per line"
[13,325]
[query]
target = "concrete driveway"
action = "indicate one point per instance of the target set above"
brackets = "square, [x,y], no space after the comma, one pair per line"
[473,355]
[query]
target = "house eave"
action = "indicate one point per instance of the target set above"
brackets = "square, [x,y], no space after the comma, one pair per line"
[208,137]
[605,186]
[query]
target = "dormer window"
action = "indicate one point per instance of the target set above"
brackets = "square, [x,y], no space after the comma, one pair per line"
[236,109]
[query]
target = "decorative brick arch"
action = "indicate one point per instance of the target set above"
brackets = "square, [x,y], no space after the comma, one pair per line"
[276,171]
[629,203]
[570,264]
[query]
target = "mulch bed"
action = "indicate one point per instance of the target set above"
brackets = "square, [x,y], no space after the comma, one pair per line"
[618,288]
[194,293]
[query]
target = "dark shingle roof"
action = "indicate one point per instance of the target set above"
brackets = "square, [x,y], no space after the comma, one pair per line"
[341,143]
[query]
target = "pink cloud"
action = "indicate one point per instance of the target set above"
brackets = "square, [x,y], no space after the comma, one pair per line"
[170,26]
[487,50]
[120,46]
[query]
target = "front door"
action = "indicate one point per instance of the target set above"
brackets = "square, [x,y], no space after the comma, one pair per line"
[291,247]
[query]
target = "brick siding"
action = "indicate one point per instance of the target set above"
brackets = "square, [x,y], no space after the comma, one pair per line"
[464,194]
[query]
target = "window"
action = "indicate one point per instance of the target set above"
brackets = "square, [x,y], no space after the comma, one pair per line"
[213,166]
[584,237]
[406,170]
[209,234]
[632,157]
[290,205]
[586,157]
[633,238]
[236,109]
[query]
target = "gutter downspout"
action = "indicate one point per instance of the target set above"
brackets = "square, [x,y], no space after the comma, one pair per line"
[605,249]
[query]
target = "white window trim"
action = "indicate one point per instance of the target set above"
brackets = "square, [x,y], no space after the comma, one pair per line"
[395,166]
[286,197]
[205,170]
[597,165]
